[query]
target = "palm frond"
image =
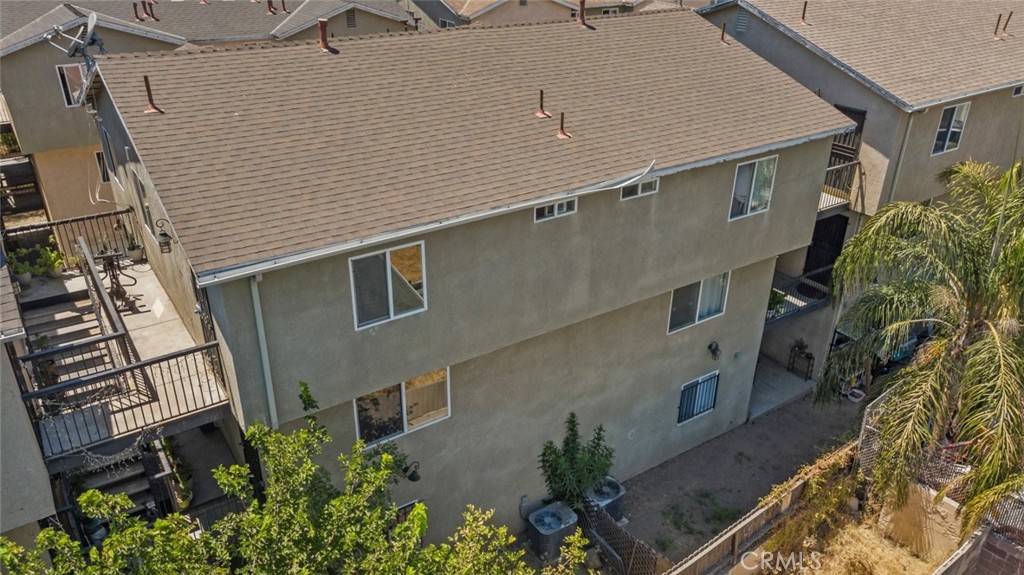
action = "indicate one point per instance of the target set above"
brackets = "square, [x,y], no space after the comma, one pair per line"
[974,510]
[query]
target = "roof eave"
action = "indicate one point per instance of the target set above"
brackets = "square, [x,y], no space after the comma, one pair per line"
[231,273]
[923,105]
[343,8]
[484,10]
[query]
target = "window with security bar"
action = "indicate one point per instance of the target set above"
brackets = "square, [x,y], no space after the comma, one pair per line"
[698,397]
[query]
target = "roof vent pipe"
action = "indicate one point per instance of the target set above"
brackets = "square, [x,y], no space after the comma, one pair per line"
[152,108]
[270,8]
[803,15]
[324,46]
[149,11]
[722,36]
[562,134]
[204,1]
[284,8]
[135,8]
[1007,23]
[541,112]
[581,16]
[998,23]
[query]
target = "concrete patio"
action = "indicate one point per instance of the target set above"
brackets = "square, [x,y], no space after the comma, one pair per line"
[774,387]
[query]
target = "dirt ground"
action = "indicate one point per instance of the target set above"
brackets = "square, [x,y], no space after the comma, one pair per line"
[677,506]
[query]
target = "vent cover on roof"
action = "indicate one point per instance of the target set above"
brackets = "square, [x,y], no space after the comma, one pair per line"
[741,20]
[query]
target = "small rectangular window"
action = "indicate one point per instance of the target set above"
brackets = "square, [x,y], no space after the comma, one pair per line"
[446,23]
[698,301]
[140,193]
[555,210]
[609,11]
[752,188]
[639,189]
[72,83]
[1018,90]
[350,18]
[951,128]
[574,15]
[101,163]
[108,155]
[697,397]
[388,285]
[403,407]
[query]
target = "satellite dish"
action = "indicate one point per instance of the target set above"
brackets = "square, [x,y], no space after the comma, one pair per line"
[84,38]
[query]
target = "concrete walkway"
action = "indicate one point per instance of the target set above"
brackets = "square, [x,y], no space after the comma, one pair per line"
[774,387]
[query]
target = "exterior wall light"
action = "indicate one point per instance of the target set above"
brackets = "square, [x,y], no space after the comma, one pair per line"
[412,471]
[163,238]
[716,352]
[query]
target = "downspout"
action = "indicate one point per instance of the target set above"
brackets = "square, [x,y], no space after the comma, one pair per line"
[261,336]
[899,160]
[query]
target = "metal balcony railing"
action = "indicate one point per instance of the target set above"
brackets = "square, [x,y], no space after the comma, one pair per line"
[109,232]
[791,296]
[840,182]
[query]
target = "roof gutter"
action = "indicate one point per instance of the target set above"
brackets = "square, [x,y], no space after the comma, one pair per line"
[223,275]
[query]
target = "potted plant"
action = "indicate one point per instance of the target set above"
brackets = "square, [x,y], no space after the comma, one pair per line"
[50,261]
[22,270]
[134,249]
[181,473]
[776,303]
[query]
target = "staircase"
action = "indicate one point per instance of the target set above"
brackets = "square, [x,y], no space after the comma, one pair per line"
[134,476]
[68,323]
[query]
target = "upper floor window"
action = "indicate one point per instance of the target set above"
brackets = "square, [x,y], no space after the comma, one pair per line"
[698,301]
[698,396]
[752,189]
[445,23]
[609,11]
[555,210]
[403,407]
[101,163]
[72,83]
[639,189]
[951,128]
[388,284]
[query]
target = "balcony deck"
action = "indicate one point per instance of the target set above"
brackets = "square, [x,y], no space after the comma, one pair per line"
[137,371]
[793,296]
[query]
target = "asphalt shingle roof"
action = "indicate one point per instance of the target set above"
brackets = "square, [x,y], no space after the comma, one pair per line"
[411,129]
[921,52]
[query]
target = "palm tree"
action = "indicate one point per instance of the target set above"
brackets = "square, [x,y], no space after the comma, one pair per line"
[957,269]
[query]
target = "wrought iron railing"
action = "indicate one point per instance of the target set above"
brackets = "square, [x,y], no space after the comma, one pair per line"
[801,294]
[96,408]
[104,233]
[840,182]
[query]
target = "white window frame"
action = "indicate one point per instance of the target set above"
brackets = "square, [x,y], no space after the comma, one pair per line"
[101,163]
[405,413]
[963,129]
[771,192]
[566,210]
[391,298]
[700,294]
[445,23]
[697,381]
[640,189]
[1018,91]
[609,11]
[142,195]
[63,82]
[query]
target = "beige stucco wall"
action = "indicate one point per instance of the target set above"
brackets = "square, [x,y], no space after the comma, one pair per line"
[619,369]
[67,177]
[24,482]
[993,131]
[535,11]
[930,530]
[991,135]
[31,87]
[366,23]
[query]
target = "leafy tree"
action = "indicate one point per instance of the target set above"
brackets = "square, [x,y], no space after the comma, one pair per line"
[958,268]
[301,526]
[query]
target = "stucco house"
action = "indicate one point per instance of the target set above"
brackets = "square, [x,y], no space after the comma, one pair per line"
[458,271]
[928,83]
[449,13]
[40,84]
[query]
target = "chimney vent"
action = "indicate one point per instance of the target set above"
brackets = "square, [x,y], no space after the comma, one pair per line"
[150,11]
[581,15]
[541,112]
[152,108]
[562,134]
[135,9]
[1007,23]
[324,46]
[270,8]
[284,8]
[722,36]
[999,22]
[803,15]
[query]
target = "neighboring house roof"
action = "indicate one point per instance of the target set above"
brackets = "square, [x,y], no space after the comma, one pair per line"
[24,22]
[10,316]
[914,53]
[475,8]
[332,155]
